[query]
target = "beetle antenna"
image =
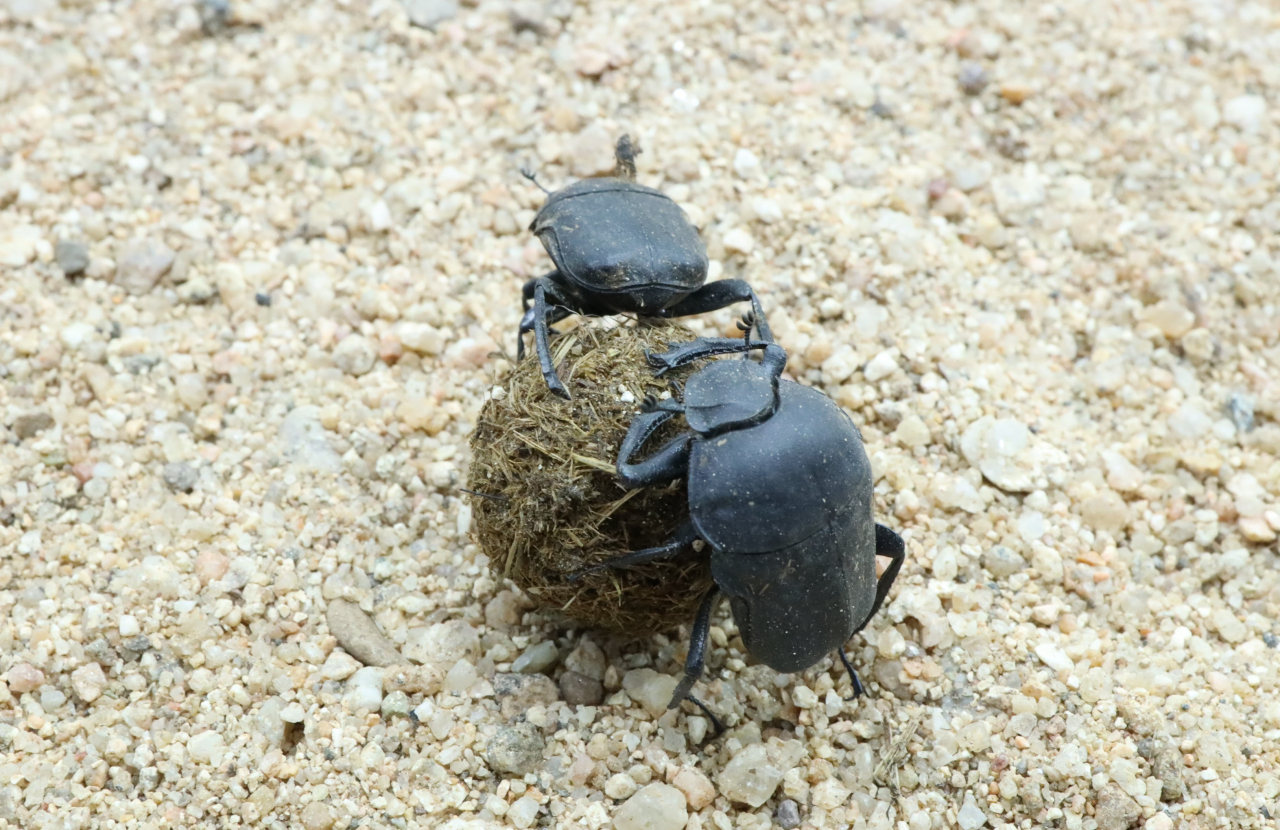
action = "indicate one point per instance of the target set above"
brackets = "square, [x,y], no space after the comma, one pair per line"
[533,177]
[625,154]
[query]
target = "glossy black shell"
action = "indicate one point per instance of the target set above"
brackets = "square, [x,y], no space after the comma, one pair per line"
[787,507]
[612,236]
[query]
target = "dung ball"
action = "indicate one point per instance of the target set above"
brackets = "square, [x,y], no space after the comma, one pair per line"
[546,500]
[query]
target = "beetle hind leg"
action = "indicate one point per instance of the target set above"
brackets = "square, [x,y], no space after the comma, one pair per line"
[858,691]
[682,540]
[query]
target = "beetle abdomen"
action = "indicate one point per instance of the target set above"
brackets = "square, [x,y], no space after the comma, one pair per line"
[611,237]
[794,605]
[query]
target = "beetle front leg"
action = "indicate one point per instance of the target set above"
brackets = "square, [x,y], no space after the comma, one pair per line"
[669,463]
[718,294]
[696,661]
[540,324]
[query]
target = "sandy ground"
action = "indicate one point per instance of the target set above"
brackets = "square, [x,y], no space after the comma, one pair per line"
[1028,246]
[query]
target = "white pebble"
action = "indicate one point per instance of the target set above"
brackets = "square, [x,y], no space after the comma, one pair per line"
[881,366]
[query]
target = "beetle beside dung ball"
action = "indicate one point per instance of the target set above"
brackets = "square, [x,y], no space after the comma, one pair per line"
[780,489]
[619,248]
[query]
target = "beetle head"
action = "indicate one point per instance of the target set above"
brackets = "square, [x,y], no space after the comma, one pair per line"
[729,394]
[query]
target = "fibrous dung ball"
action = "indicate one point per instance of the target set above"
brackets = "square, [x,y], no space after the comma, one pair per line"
[548,500]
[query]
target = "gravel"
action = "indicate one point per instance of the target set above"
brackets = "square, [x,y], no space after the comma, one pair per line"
[1031,251]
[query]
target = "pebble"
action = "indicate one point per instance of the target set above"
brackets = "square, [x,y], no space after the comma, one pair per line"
[516,750]
[88,681]
[141,263]
[881,366]
[696,786]
[1189,421]
[651,690]
[536,658]
[653,807]
[305,443]
[364,689]
[518,693]
[998,449]
[420,337]
[19,246]
[739,241]
[970,175]
[524,812]
[210,566]
[972,78]
[355,355]
[1245,112]
[1241,408]
[359,635]
[317,816]
[428,14]
[1015,92]
[31,424]
[1122,475]
[1173,319]
[620,786]
[443,644]
[1160,821]
[1116,810]
[339,666]
[970,816]
[752,776]
[180,476]
[1018,196]
[207,747]
[746,164]
[24,677]
[1002,562]
[395,705]
[1054,657]
[580,690]
[587,659]
[72,257]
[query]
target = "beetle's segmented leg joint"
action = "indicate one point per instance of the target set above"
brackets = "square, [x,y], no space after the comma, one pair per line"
[649,404]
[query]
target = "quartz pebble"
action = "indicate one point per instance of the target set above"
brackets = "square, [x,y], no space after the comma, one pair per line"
[654,807]
[579,690]
[87,682]
[753,775]
[23,678]
[650,689]
[536,658]
[141,263]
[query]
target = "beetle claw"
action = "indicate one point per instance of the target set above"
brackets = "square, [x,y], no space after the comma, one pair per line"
[649,404]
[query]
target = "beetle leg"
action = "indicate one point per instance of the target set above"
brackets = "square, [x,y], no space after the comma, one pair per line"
[684,538]
[888,544]
[858,691]
[541,313]
[719,294]
[668,463]
[696,661]
[685,353]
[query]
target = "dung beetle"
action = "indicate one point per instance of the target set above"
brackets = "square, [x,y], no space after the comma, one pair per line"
[619,247]
[780,488]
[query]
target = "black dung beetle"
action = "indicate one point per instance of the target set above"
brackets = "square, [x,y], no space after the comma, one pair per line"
[780,488]
[620,247]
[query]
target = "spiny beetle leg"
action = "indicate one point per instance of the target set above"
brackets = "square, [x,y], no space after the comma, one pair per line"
[684,353]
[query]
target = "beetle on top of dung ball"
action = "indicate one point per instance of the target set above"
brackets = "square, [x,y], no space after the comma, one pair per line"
[620,248]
